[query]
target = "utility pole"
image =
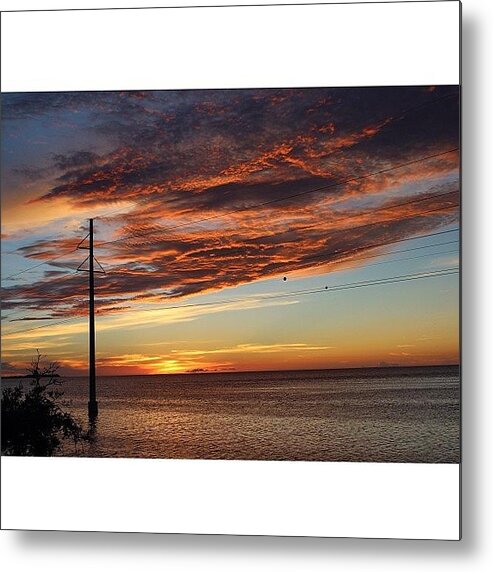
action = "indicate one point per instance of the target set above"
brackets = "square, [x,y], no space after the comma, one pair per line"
[92,405]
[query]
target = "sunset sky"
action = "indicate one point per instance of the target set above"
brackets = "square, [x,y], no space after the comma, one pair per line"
[224,216]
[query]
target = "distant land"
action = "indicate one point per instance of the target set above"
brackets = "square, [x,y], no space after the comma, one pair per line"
[201,371]
[28,376]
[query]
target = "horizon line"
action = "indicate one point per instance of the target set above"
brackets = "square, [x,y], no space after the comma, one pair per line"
[205,372]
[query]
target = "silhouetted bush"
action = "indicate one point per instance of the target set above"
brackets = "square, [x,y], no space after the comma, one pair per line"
[33,423]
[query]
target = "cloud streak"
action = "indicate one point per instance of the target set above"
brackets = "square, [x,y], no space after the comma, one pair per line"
[246,163]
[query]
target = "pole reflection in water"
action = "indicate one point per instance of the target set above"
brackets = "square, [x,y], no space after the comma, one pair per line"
[92,434]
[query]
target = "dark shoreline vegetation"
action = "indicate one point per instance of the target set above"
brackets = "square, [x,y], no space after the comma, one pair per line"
[34,422]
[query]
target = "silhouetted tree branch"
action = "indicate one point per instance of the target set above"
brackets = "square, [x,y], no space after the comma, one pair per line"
[33,423]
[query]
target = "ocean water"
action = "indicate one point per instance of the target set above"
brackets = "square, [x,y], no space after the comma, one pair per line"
[372,415]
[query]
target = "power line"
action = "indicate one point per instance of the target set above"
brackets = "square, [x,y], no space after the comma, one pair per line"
[397,205]
[32,319]
[366,246]
[317,257]
[341,262]
[40,264]
[397,252]
[374,245]
[295,293]
[402,259]
[44,285]
[424,104]
[273,201]
[355,251]
[115,212]
[43,326]
[358,215]
[445,272]
[337,288]
[116,268]
[427,235]
[21,310]
[250,207]
[389,280]
[27,290]
[399,115]
[387,208]
[386,253]
[378,223]
[385,120]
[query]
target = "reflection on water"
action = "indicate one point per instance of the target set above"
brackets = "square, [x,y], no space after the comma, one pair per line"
[391,415]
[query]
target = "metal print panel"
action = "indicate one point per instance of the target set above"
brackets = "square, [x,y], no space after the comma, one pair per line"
[254,288]
[268,274]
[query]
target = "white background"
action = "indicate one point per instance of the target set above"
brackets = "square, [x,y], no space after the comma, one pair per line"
[83,551]
[376,500]
[258,46]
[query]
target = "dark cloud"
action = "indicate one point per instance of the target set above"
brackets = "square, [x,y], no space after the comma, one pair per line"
[172,146]
[184,156]
[75,160]
[32,173]
[174,268]
[18,106]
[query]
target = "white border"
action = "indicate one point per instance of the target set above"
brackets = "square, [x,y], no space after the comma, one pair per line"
[232,47]
[378,44]
[284,498]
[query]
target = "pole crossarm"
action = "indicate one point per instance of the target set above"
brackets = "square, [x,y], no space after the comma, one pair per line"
[79,268]
[102,271]
[79,246]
